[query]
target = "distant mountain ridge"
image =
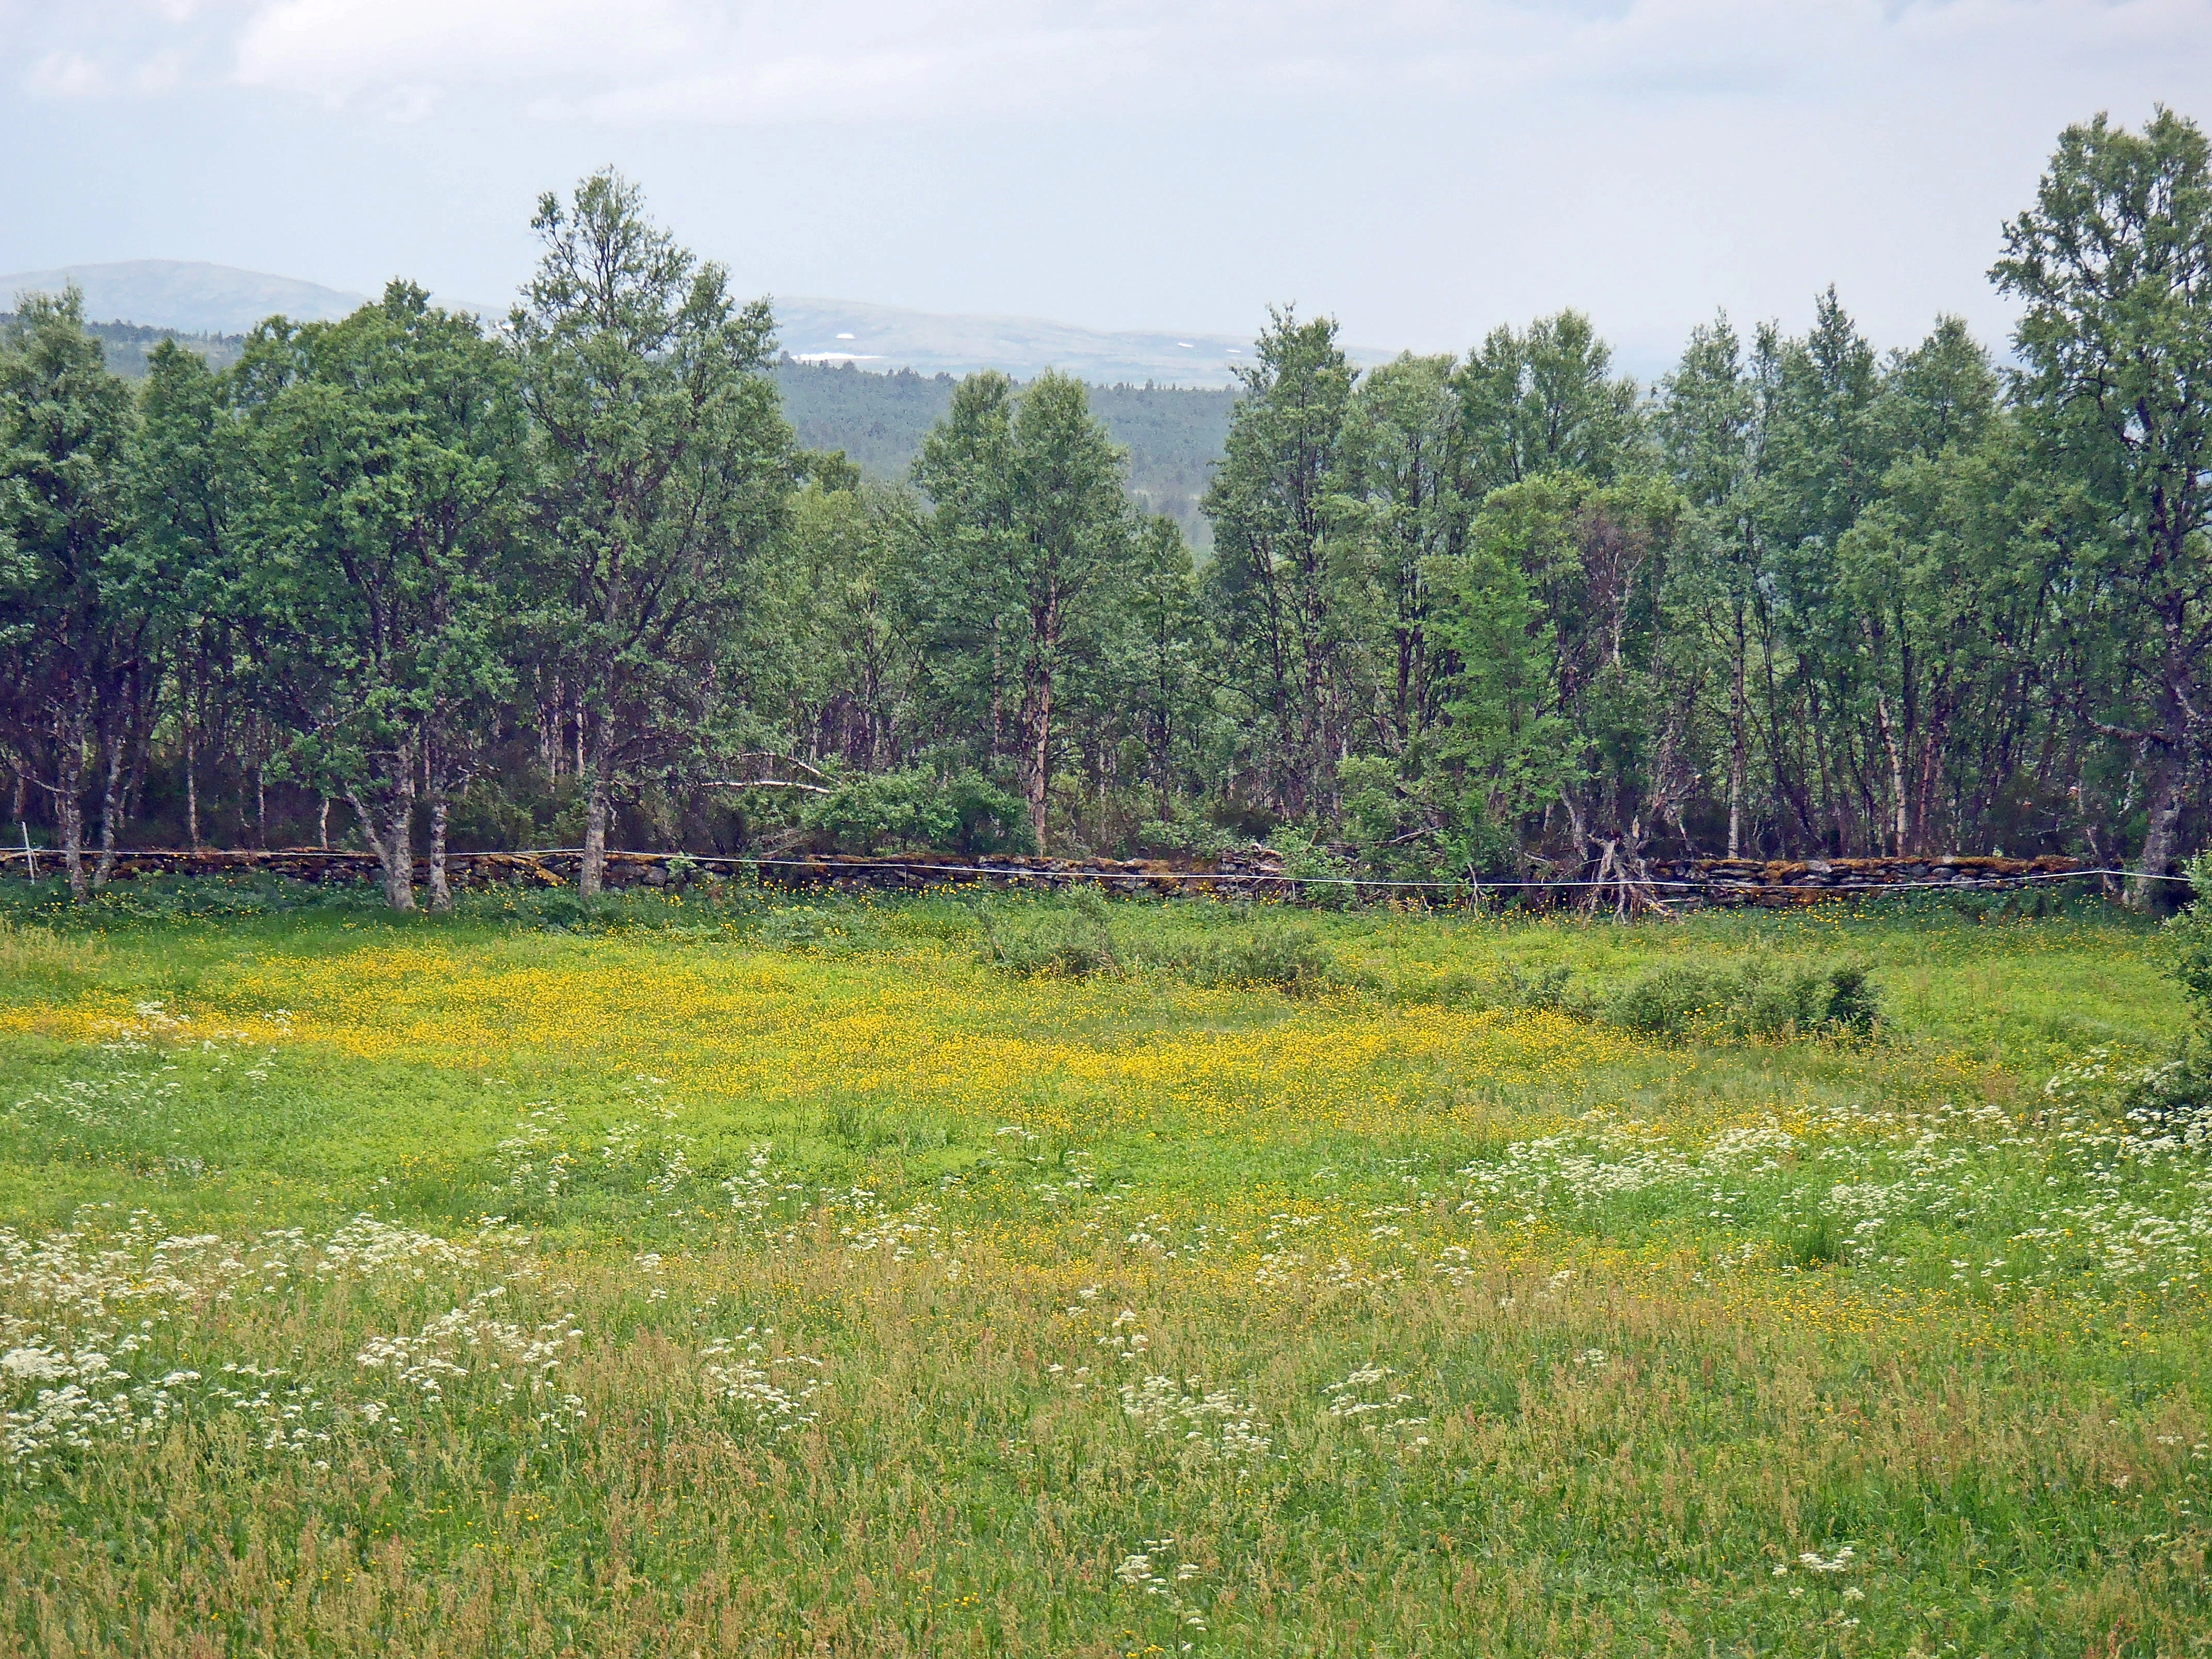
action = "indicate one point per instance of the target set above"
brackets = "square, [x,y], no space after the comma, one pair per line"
[189,295]
[198,298]
[838,331]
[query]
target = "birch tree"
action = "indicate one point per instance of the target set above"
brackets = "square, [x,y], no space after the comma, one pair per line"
[388,450]
[75,626]
[2114,265]
[663,465]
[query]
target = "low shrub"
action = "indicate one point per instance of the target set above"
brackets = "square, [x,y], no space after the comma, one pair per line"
[2187,939]
[1542,988]
[1077,938]
[184,898]
[1755,1000]
[791,925]
[1326,872]
[2172,1101]
[1274,950]
[1052,941]
[614,910]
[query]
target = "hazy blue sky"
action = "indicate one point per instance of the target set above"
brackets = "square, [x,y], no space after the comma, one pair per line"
[1422,170]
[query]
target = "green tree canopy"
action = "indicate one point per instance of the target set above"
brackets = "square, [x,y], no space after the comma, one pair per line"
[377,558]
[75,619]
[662,467]
[1029,538]
[2114,265]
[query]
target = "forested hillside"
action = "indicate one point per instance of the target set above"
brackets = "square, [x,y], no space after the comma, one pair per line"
[1173,433]
[127,346]
[1504,615]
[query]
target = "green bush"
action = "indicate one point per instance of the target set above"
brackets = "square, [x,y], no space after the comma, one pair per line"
[1308,861]
[2172,1100]
[1815,1245]
[791,925]
[1545,987]
[185,898]
[1671,1002]
[1853,1003]
[1275,950]
[962,812]
[485,817]
[1074,940]
[1755,1001]
[1077,937]
[2188,938]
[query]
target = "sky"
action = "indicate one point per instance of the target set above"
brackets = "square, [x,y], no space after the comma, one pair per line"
[1422,171]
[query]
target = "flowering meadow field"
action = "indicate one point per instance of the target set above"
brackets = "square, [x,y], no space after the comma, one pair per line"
[1052,1277]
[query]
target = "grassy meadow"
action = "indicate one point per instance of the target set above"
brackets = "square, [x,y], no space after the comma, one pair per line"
[756,1275]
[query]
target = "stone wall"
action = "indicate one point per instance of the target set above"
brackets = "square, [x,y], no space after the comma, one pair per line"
[1755,881]
[1249,875]
[1255,873]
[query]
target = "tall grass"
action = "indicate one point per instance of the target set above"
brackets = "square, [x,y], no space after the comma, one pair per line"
[825,1447]
[836,1284]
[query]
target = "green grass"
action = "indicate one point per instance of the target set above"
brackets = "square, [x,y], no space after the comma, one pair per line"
[754,1273]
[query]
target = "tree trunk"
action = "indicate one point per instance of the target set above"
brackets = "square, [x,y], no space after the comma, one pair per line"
[1036,748]
[322,825]
[1037,714]
[872,693]
[1314,773]
[2161,839]
[69,799]
[593,871]
[441,895]
[120,740]
[1831,800]
[394,837]
[595,742]
[1739,740]
[1923,788]
[549,733]
[111,810]
[1403,708]
[145,712]
[1895,756]
[998,680]
[192,786]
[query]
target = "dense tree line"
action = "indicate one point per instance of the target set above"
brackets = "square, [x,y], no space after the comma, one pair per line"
[1501,615]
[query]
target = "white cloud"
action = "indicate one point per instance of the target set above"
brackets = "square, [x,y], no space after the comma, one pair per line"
[691,61]
[110,48]
[667,60]
[775,62]
[162,72]
[664,60]
[67,75]
[1428,168]
[343,49]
